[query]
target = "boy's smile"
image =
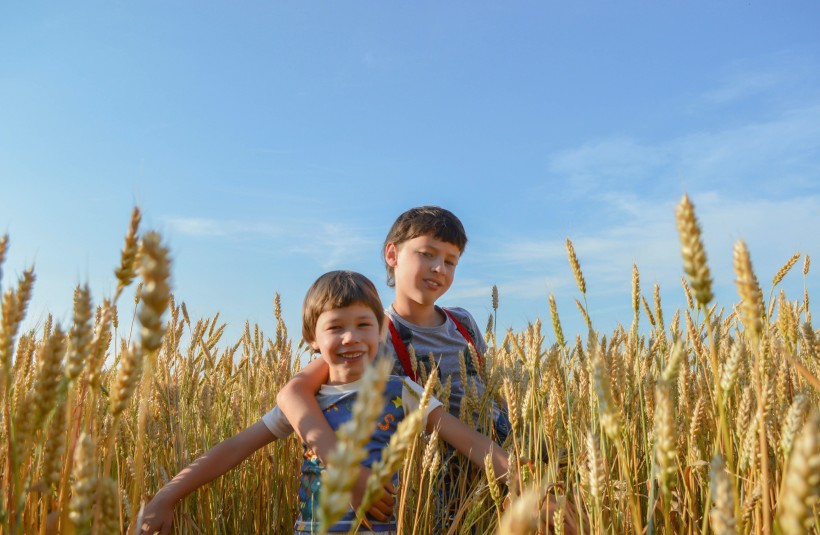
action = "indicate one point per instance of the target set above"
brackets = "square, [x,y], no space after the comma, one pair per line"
[424,268]
[348,339]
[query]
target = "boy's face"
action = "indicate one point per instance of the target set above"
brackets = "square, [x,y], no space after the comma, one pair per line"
[424,268]
[348,339]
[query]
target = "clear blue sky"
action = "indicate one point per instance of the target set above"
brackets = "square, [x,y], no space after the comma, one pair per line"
[271,141]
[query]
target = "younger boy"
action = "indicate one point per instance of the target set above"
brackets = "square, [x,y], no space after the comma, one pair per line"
[342,320]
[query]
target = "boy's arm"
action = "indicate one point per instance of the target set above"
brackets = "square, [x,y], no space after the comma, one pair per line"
[297,400]
[159,513]
[467,440]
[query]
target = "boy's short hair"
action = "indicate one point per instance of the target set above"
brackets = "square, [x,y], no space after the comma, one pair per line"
[432,221]
[338,289]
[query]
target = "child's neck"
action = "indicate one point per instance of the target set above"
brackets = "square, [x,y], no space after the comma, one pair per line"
[338,379]
[418,314]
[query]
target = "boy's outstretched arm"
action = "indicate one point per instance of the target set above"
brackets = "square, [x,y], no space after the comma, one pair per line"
[159,513]
[468,441]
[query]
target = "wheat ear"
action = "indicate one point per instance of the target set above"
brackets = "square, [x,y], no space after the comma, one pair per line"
[694,255]
[801,483]
[84,484]
[751,307]
[576,268]
[556,322]
[125,273]
[79,337]
[722,514]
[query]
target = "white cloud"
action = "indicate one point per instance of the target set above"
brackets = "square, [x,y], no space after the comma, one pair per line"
[740,86]
[329,245]
[772,75]
[208,228]
[606,161]
[771,155]
[333,244]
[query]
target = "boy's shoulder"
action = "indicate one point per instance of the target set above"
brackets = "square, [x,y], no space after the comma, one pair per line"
[461,314]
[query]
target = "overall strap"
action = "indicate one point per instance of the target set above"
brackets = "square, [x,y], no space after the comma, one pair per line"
[401,350]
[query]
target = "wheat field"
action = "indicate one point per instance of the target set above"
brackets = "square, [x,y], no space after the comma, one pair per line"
[705,422]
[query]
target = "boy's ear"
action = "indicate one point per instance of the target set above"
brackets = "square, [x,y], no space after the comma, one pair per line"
[391,252]
[314,346]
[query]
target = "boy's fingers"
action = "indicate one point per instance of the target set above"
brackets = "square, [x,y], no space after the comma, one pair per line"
[377,515]
[382,508]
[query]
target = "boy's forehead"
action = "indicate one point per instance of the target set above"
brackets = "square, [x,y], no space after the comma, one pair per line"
[356,308]
[431,241]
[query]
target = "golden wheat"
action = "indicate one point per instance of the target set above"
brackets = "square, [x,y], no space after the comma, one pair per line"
[590,420]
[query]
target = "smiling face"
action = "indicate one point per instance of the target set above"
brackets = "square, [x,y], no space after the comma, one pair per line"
[348,339]
[423,267]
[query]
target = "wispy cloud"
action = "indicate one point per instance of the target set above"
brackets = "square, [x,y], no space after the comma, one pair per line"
[740,86]
[607,161]
[774,75]
[328,244]
[333,244]
[772,155]
[209,228]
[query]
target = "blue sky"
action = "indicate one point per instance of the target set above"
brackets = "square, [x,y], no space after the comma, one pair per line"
[269,142]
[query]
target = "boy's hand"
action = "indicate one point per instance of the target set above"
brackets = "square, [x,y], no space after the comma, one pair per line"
[381,509]
[157,517]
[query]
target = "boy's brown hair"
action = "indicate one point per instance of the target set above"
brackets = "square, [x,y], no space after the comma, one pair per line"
[432,221]
[338,289]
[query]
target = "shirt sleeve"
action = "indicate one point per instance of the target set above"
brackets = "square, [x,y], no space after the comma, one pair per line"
[277,423]
[411,396]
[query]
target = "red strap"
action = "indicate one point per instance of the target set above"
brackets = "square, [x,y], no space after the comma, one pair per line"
[464,333]
[401,350]
[404,354]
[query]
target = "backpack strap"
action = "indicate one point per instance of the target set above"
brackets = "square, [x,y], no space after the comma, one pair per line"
[401,350]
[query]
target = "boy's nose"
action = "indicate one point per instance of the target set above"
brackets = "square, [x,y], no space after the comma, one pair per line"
[348,337]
